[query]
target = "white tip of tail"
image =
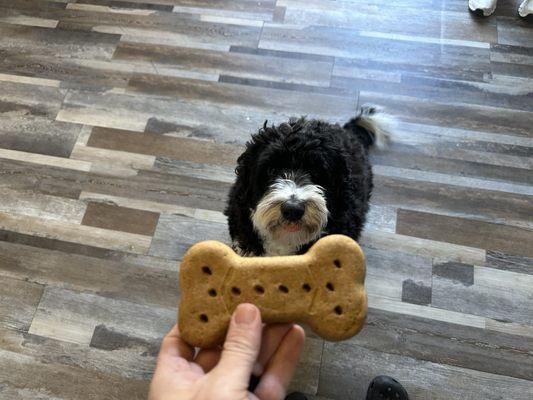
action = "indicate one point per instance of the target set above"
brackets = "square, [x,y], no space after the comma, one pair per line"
[380,124]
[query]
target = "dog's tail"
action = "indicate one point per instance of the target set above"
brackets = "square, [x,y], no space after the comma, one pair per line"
[372,127]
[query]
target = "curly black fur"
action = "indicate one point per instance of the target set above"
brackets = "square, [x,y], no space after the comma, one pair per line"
[334,157]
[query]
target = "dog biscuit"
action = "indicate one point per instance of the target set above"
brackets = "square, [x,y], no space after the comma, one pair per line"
[323,288]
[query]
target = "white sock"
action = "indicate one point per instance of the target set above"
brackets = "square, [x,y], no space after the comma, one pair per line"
[525,8]
[487,6]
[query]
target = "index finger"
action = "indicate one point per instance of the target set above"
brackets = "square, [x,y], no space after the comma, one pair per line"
[173,346]
[279,371]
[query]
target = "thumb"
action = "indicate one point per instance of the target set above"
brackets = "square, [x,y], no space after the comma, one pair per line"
[241,347]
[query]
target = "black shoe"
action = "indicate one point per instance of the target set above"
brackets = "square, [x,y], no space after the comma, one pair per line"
[386,388]
[296,396]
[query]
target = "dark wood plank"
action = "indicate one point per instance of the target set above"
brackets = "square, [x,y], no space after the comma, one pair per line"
[200,151]
[136,5]
[33,4]
[58,43]
[479,234]
[499,260]
[117,218]
[457,272]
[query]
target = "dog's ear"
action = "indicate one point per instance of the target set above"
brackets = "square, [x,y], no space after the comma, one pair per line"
[243,172]
[240,203]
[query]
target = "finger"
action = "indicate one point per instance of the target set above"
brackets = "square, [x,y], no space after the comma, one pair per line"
[173,346]
[241,347]
[208,358]
[278,374]
[272,337]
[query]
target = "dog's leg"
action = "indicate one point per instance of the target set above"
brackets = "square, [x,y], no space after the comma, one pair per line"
[526,8]
[486,6]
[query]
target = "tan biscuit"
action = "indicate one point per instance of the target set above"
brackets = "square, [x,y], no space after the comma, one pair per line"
[323,288]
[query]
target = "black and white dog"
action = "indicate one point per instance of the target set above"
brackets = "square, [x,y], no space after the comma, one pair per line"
[301,180]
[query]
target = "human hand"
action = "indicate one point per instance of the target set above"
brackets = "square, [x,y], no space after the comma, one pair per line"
[271,352]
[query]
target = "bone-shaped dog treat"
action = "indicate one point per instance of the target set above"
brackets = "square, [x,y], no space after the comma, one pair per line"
[323,288]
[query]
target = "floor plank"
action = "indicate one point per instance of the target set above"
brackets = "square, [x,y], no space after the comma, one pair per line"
[57,381]
[72,316]
[19,303]
[421,379]
[235,64]
[74,233]
[465,232]
[121,219]
[108,278]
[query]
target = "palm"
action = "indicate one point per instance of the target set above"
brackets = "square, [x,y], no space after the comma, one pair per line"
[182,374]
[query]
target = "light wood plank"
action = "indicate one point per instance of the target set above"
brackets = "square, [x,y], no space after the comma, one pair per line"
[422,247]
[18,303]
[40,159]
[41,206]
[436,314]
[56,381]
[112,162]
[72,317]
[76,233]
[29,80]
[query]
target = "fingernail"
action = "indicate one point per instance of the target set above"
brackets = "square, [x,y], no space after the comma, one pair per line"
[245,314]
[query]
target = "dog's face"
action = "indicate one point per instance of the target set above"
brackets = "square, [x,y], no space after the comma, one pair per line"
[291,211]
[287,180]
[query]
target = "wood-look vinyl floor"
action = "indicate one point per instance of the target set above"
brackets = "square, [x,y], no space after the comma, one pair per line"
[120,124]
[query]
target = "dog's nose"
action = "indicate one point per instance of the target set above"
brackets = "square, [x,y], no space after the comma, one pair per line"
[293,210]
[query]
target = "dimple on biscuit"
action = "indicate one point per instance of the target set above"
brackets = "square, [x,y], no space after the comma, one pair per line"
[323,288]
